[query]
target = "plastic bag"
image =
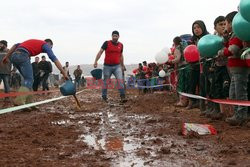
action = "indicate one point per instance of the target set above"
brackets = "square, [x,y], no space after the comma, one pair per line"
[201,129]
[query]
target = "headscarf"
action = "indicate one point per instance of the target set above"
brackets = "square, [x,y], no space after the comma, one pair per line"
[195,38]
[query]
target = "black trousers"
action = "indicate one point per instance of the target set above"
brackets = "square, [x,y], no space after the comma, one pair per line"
[194,81]
[36,82]
[220,83]
[44,80]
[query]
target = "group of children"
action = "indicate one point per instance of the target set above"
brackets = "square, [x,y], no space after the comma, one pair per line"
[225,76]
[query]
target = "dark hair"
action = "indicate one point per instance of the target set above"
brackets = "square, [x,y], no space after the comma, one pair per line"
[43,57]
[219,19]
[177,40]
[230,16]
[49,40]
[144,62]
[115,32]
[4,42]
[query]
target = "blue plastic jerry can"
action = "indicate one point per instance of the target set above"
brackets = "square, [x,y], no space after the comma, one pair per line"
[68,88]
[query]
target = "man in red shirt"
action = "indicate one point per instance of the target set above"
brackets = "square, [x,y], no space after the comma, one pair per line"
[113,64]
[20,55]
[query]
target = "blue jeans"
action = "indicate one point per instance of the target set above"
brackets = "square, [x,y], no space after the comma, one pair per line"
[238,91]
[6,81]
[21,61]
[107,72]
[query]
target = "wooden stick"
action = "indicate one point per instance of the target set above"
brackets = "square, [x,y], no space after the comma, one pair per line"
[78,104]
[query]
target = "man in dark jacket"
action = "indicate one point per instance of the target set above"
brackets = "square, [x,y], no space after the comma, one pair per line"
[36,74]
[45,69]
[78,74]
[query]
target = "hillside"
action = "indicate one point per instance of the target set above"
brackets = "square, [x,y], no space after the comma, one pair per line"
[88,67]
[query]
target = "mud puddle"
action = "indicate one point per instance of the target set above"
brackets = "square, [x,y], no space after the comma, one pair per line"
[142,132]
[130,139]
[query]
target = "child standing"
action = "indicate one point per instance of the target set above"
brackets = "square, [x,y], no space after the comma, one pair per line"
[199,30]
[238,71]
[220,80]
[179,60]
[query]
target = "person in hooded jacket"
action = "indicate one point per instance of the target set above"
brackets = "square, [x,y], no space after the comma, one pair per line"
[196,79]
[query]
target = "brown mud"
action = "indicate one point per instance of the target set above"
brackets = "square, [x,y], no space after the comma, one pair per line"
[145,131]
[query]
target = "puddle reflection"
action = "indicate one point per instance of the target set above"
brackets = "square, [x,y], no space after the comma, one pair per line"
[118,142]
[113,143]
[91,140]
[124,148]
[61,122]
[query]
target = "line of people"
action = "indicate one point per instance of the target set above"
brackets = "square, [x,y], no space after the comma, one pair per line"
[225,76]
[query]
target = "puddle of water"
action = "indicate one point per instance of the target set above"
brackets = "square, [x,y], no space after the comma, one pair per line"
[112,118]
[137,116]
[96,114]
[129,160]
[131,144]
[91,141]
[80,122]
[61,122]
[125,148]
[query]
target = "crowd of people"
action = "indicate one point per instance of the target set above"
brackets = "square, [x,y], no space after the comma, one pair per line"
[225,76]
[146,77]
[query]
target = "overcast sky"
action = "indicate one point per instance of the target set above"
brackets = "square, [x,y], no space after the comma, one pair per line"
[78,28]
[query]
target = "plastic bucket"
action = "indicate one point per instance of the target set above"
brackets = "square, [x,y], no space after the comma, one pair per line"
[68,88]
[97,73]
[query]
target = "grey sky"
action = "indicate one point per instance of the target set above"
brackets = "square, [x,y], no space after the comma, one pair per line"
[79,27]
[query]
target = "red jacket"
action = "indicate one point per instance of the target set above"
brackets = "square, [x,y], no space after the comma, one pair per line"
[232,51]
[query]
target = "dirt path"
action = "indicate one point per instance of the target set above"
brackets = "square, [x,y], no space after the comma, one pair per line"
[143,132]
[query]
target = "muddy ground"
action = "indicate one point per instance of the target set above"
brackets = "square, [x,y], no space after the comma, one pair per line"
[143,132]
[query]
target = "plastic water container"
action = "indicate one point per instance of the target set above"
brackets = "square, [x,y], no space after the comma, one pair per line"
[97,73]
[68,88]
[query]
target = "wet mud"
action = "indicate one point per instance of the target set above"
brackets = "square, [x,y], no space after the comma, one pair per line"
[145,131]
